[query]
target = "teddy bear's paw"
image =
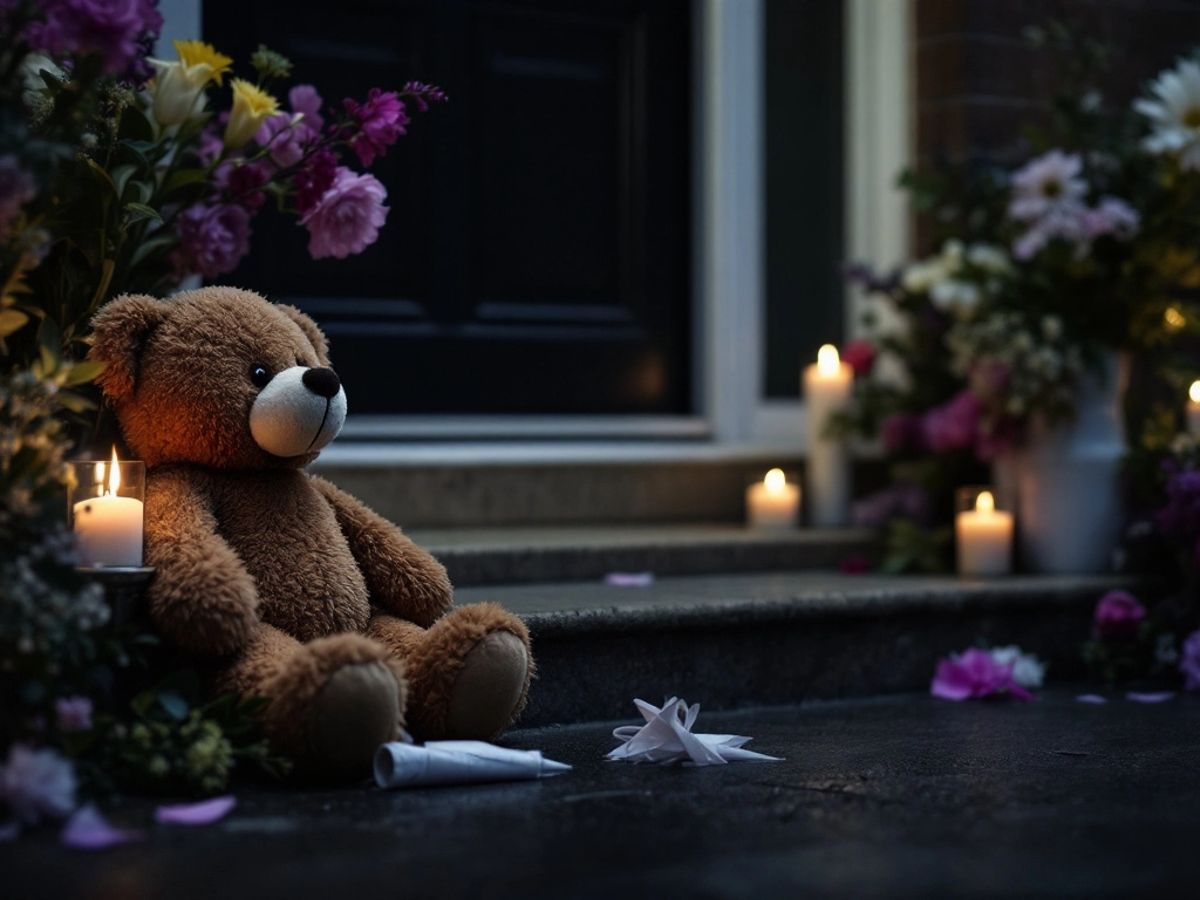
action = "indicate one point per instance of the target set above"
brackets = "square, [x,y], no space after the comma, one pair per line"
[358,709]
[489,687]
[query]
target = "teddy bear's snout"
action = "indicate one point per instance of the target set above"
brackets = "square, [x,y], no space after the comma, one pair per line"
[322,381]
[298,411]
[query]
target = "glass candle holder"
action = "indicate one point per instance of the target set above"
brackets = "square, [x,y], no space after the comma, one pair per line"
[773,504]
[105,510]
[983,533]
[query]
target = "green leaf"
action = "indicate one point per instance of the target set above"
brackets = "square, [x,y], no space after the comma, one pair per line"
[137,212]
[96,169]
[183,178]
[143,702]
[11,320]
[145,248]
[49,345]
[82,373]
[121,175]
[135,126]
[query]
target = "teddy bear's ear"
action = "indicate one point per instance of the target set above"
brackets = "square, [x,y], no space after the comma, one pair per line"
[119,332]
[314,334]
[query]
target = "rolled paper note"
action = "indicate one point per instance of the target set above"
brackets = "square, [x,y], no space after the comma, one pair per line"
[400,765]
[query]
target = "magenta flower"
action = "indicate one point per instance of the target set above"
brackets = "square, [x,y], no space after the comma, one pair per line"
[973,674]
[860,356]
[953,425]
[423,94]
[37,784]
[213,239]
[243,182]
[1189,661]
[312,181]
[347,218]
[1118,616]
[119,31]
[380,123]
[901,432]
[73,713]
[288,135]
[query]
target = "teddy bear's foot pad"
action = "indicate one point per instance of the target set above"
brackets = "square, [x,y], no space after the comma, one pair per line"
[358,709]
[488,687]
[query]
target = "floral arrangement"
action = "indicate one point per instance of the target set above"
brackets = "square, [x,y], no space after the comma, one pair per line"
[1044,269]
[121,172]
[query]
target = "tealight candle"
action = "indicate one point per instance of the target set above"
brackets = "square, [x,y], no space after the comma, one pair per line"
[827,386]
[984,537]
[108,526]
[773,503]
[1193,409]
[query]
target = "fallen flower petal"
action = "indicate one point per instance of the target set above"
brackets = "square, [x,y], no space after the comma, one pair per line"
[87,829]
[203,813]
[1150,696]
[975,673]
[1095,699]
[629,579]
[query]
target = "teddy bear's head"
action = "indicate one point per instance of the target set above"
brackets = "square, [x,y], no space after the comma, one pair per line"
[218,377]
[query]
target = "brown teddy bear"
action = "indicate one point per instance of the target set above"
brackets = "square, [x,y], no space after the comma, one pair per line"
[293,588]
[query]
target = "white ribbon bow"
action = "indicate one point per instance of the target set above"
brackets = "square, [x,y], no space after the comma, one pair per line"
[667,738]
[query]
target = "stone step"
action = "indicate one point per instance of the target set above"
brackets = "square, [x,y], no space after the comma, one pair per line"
[483,556]
[736,640]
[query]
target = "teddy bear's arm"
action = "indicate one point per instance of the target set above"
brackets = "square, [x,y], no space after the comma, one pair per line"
[402,578]
[202,597]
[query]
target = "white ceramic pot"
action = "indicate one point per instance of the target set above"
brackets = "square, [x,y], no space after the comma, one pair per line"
[1067,480]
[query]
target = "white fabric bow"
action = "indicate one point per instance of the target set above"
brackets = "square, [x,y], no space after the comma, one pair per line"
[667,738]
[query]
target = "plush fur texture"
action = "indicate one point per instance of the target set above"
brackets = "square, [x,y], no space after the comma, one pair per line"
[293,588]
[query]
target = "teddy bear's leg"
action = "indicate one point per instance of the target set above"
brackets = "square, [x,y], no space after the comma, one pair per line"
[330,702]
[468,674]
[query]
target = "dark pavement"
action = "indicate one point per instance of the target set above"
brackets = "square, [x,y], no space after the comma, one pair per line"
[903,796]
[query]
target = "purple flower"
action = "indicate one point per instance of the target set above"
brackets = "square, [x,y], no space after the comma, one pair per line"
[1118,616]
[975,673]
[907,501]
[1046,185]
[37,784]
[1111,216]
[1189,661]
[243,182]
[289,134]
[119,31]
[314,180]
[902,432]
[380,122]
[304,99]
[213,239]
[953,425]
[16,189]
[73,713]
[423,94]
[347,218]
[1180,517]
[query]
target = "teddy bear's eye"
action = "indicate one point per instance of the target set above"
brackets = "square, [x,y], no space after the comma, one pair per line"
[259,375]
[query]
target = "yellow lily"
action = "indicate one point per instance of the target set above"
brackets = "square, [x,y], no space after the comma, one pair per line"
[178,88]
[251,106]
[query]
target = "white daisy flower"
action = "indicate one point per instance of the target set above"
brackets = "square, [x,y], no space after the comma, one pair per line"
[1174,114]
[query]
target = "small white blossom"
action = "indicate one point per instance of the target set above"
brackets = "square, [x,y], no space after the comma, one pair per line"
[1174,114]
[1028,671]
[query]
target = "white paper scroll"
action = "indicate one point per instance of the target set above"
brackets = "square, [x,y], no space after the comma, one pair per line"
[400,765]
[667,738]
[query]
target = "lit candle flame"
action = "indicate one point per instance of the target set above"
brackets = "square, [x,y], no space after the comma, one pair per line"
[985,503]
[828,362]
[775,481]
[1194,392]
[114,475]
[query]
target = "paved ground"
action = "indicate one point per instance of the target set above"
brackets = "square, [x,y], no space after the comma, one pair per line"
[904,796]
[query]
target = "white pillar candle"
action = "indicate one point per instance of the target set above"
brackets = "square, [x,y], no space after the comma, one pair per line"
[1193,410]
[827,386]
[108,528]
[985,538]
[773,503]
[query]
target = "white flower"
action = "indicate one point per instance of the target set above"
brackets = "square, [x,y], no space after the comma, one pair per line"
[37,784]
[955,296]
[1028,671]
[1174,114]
[921,277]
[989,258]
[1047,184]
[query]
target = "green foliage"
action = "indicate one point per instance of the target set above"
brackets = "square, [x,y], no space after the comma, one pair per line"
[911,548]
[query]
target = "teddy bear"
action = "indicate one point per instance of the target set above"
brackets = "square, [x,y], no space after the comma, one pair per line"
[287,587]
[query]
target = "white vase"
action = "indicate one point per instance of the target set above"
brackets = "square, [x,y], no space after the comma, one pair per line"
[1067,480]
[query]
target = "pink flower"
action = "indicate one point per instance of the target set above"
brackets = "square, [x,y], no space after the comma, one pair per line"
[212,239]
[1189,661]
[975,673]
[114,29]
[380,122]
[1118,616]
[314,180]
[73,713]
[901,432]
[1111,216]
[953,425]
[347,218]
[37,784]
[860,356]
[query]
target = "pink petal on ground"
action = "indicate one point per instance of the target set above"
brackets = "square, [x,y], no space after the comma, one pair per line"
[87,829]
[629,579]
[203,813]
[951,682]
[1094,699]
[1149,697]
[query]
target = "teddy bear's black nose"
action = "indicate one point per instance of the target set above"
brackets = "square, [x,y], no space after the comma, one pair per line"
[322,382]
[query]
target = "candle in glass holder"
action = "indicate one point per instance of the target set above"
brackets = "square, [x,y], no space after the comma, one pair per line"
[108,526]
[984,538]
[773,503]
[1193,409]
[827,386]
